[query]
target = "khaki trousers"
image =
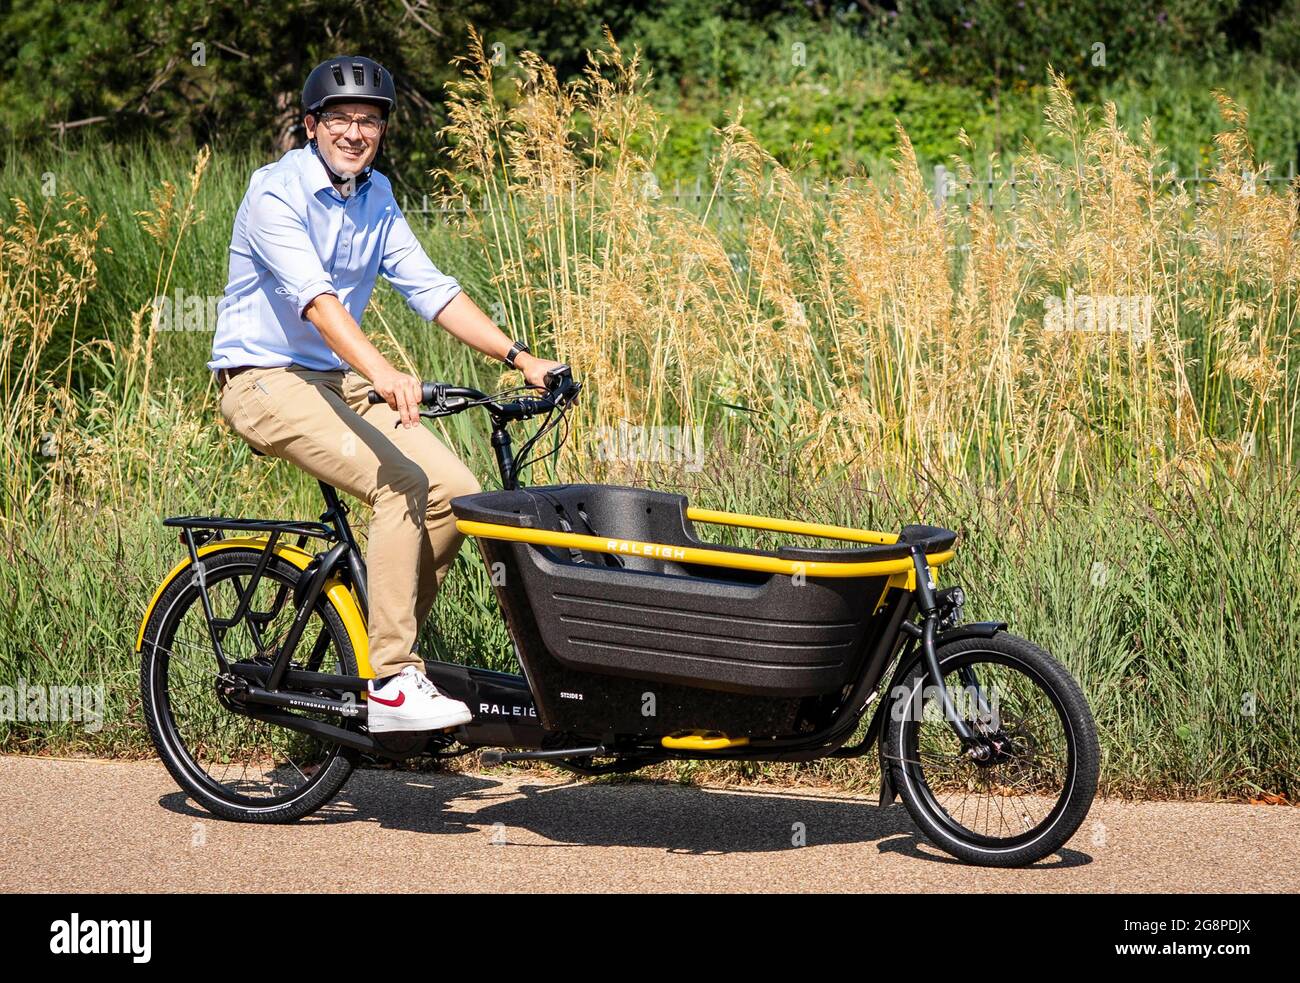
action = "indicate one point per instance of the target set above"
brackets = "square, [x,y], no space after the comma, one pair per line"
[321,422]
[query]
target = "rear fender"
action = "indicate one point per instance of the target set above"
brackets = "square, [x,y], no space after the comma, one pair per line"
[339,595]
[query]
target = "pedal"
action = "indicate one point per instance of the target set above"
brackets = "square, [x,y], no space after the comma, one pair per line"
[702,740]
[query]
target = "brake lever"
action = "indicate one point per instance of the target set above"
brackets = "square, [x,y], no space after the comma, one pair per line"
[444,407]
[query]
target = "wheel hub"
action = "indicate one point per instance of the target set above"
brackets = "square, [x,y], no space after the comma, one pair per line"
[990,750]
[230,690]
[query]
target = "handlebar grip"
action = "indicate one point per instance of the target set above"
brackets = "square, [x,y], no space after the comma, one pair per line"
[428,394]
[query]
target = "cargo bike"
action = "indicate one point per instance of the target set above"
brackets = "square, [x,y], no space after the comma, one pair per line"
[638,641]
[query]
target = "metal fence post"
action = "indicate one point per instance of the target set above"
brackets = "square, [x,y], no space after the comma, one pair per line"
[940,186]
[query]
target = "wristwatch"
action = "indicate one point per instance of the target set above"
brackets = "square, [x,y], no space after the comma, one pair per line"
[515,349]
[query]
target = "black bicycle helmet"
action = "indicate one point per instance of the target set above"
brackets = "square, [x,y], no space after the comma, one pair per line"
[349,78]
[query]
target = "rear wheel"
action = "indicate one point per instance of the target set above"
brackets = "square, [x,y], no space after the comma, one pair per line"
[234,766]
[1031,795]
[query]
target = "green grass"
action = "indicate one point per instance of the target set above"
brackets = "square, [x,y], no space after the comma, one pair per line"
[841,106]
[1181,622]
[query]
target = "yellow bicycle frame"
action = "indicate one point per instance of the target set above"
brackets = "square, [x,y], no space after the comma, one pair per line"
[901,572]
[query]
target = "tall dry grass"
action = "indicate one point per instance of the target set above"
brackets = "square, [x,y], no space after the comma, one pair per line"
[47,269]
[863,328]
[90,450]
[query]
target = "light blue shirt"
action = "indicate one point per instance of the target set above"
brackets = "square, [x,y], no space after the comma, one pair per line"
[296,238]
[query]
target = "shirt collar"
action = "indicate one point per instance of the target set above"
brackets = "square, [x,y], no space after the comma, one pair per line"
[316,179]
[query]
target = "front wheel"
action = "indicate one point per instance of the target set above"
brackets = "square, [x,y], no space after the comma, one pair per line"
[1032,793]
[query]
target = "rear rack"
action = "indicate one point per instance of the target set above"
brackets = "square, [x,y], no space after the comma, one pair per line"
[315,529]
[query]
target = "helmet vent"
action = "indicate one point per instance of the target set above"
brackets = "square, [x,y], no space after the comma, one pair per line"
[338,75]
[378,75]
[359,74]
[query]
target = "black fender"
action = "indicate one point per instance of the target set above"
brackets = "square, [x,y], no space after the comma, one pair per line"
[975,629]
[316,572]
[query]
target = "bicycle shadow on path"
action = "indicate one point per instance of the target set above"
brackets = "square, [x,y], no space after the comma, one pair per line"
[524,812]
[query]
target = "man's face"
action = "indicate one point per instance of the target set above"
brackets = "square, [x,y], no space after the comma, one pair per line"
[350,151]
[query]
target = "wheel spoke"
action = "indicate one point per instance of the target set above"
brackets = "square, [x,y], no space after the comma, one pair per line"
[998,800]
[244,760]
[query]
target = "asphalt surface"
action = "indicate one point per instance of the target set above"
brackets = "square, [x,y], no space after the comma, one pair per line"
[103,826]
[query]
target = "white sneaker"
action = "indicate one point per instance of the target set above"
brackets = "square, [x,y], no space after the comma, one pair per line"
[409,701]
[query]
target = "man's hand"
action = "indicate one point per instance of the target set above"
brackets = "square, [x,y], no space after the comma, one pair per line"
[535,369]
[402,392]
[463,319]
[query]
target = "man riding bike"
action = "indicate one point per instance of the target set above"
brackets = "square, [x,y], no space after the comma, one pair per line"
[312,234]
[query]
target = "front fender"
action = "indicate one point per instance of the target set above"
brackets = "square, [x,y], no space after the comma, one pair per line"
[343,600]
[975,629]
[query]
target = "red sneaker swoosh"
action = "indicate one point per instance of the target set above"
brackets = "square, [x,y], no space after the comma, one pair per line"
[401,698]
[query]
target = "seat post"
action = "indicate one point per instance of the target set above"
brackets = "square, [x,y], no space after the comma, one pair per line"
[332,503]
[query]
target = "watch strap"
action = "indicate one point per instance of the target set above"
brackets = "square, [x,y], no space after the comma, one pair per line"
[515,349]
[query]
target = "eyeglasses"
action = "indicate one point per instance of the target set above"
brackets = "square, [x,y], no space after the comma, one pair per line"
[339,123]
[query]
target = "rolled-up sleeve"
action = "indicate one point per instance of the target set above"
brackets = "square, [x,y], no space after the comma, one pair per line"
[277,234]
[408,268]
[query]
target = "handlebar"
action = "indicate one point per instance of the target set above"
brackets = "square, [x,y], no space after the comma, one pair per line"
[561,391]
[444,399]
[428,393]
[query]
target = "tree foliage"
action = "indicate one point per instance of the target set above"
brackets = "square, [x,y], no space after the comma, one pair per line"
[230,71]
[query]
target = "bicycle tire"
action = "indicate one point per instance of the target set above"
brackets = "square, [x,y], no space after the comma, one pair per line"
[159,642]
[1079,775]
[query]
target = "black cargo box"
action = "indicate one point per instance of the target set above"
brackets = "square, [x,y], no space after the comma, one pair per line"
[653,644]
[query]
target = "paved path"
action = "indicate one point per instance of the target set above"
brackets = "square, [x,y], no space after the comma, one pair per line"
[124,826]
